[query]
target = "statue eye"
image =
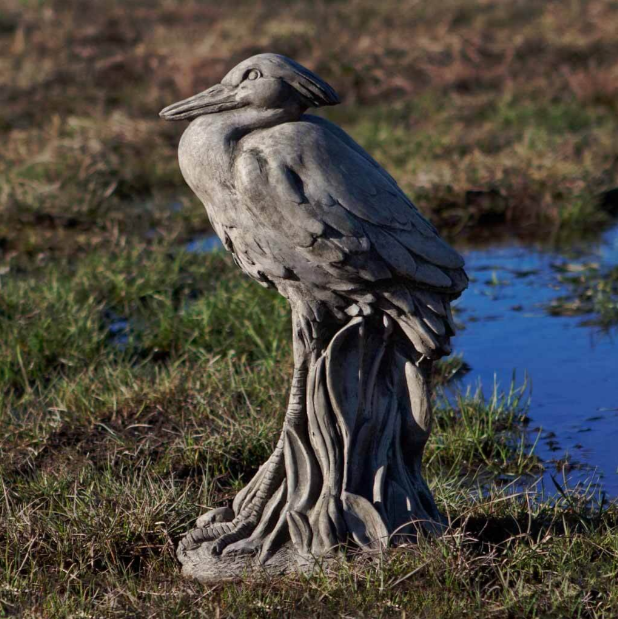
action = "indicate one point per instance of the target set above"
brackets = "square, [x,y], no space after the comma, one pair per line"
[253,74]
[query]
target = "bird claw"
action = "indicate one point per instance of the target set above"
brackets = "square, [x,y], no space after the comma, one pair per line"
[220,514]
[215,551]
[242,547]
[188,542]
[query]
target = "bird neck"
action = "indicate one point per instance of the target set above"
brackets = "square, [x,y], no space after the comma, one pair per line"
[238,123]
[216,136]
[208,147]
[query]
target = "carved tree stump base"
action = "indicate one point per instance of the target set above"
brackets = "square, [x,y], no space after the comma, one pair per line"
[346,471]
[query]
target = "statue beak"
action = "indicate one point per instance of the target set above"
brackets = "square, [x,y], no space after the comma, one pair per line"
[219,98]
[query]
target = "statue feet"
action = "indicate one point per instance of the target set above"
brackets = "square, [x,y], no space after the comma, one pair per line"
[220,514]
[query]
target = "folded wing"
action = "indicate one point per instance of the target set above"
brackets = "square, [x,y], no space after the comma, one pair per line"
[326,214]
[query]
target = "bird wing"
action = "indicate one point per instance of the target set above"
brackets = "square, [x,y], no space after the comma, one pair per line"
[325,213]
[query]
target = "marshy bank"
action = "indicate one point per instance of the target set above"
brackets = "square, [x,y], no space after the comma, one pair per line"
[550,314]
[542,318]
[109,451]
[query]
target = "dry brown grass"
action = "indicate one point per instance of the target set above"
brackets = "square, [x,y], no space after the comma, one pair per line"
[71,58]
[485,111]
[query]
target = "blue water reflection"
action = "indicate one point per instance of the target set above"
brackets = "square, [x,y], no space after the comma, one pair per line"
[573,369]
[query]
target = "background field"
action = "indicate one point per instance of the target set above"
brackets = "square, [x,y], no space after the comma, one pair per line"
[141,383]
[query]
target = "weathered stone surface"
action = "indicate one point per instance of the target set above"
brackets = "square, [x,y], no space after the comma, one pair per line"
[306,210]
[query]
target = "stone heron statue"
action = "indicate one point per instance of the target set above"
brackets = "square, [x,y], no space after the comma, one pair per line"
[305,210]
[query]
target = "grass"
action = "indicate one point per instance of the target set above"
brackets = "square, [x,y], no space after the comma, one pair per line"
[141,384]
[108,453]
[593,292]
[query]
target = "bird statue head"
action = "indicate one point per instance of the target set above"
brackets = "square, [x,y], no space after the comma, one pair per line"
[262,82]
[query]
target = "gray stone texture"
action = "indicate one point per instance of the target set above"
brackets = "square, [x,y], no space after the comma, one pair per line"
[305,210]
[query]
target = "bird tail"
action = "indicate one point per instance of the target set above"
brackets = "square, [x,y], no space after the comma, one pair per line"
[425,318]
